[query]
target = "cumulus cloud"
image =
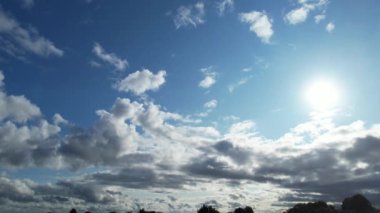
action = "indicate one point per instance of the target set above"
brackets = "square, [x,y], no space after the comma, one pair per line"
[209,78]
[192,15]
[330,27]
[16,108]
[141,81]
[144,146]
[300,14]
[114,137]
[259,23]
[61,192]
[224,5]
[23,145]
[58,119]
[111,58]
[17,40]
[297,16]
[300,160]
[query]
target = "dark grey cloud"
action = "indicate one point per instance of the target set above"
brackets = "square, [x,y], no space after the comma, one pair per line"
[16,191]
[214,168]
[365,150]
[322,173]
[24,191]
[237,154]
[142,178]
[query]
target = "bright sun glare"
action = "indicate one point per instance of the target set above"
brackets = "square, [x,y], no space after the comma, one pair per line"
[322,95]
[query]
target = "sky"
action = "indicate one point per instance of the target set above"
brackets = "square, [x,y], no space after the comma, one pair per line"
[168,105]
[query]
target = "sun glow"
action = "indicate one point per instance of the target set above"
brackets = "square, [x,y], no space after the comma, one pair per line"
[322,95]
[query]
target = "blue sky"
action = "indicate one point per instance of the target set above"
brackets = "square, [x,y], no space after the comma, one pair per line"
[154,99]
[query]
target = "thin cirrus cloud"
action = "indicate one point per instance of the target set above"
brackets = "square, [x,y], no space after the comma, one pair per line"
[191,15]
[259,23]
[141,81]
[16,40]
[241,82]
[110,58]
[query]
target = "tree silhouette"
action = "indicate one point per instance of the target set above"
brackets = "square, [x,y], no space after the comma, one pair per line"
[316,207]
[357,203]
[73,210]
[207,209]
[247,209]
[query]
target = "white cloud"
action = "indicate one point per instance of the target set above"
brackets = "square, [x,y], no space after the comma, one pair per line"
[247,69]
[16,40]
[209,78]
[211,104]
[58,119]
[259,24]
[24,134]
[111,58]
[17,108]
[297,16]
[207,82]
[135,140]
[141,81]
[319,18]
[330,27]
[300,15]
[244,126]
[192,15]
[224,5]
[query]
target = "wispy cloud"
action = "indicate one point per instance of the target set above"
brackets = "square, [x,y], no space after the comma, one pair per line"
[319,18]
[209,78]
[141,81]
[224,5]
[211,104]
[111,58]
[27,4]
[259,23]
[241,82]
[192,15]
[247,69]
[17,40]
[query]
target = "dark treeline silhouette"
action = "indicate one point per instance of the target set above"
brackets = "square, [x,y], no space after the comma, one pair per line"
[355,204]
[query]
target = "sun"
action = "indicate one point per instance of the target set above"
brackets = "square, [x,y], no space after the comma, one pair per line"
[323,95]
